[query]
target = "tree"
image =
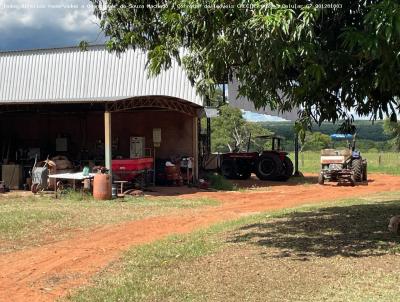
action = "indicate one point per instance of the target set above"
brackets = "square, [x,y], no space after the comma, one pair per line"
[316,141]
[227,129]
[325,58]
[393,130]
[231,132]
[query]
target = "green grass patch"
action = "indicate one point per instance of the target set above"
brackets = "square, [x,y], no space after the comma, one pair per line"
[220,183]
[311,253]
[35,220]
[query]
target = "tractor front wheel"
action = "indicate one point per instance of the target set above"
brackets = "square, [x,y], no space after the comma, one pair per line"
[268,167]
[321,178]
[365,171]
[357,167]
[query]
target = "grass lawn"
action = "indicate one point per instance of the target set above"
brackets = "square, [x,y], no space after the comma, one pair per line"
[34,220]
[337,251]
[388,162]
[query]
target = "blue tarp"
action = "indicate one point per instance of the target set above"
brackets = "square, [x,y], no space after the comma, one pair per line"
[337,136]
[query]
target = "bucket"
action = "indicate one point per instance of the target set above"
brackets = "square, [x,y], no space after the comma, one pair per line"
[85,171]
[102,187]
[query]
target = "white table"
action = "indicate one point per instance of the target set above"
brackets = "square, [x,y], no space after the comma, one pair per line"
[70,176]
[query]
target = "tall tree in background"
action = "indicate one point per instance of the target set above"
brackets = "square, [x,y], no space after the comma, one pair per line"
[325,58]
[316,141]
[393,130]
[231,132]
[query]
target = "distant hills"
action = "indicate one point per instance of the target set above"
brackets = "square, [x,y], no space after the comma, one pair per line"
[366,130]
[369,135]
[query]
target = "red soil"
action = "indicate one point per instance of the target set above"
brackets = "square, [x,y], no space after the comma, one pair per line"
[48,272]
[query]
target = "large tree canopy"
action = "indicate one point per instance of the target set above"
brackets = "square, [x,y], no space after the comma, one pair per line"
[329,59]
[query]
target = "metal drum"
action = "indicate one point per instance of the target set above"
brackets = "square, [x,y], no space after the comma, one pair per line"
[102,187]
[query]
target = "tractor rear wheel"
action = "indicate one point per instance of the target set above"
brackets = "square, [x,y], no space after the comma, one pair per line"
[287,169]
[357,167]
[268,166]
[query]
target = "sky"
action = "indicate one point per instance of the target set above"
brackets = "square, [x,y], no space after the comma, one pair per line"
[30,24]
[257,117]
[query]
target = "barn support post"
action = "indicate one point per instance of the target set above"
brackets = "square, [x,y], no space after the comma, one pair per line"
[208,128]
[107,140]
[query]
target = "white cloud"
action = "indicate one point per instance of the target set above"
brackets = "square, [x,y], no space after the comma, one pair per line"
[76,20]
[52,23]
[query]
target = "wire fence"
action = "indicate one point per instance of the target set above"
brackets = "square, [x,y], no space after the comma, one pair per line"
[385,162]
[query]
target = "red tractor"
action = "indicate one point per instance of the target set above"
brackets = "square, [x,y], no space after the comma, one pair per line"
[271,164]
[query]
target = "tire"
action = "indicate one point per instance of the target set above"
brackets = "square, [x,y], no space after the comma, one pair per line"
[34,188]
[353,180]
[287,169]
[243,176]
[268,167]
[228,169]
[357,167]
[243,170]
[365,171]
[321,179]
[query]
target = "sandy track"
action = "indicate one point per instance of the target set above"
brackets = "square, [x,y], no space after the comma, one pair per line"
[47,272]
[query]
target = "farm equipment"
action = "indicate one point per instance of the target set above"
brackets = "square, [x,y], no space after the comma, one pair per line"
[345,165]
[40,175]
[271,164]
[135,170]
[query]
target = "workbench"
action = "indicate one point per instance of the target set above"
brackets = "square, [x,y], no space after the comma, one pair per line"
[70,176]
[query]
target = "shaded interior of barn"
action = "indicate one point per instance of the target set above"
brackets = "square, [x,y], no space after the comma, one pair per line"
[76,131]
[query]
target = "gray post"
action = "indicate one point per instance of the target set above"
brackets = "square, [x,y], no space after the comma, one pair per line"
[296,155]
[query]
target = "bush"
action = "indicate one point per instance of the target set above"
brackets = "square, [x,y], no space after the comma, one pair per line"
[218,182]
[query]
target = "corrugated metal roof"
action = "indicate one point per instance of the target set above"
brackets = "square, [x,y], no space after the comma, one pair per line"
[72,75]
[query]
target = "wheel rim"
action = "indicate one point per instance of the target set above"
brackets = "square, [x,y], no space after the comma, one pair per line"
[267,166]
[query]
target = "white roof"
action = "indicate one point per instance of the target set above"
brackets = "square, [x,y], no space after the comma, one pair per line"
[246,104]
[71,75]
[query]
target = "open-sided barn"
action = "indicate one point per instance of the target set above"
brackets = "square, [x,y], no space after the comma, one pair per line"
[94,106]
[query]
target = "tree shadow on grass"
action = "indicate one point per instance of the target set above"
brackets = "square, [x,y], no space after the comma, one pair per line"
[350,231]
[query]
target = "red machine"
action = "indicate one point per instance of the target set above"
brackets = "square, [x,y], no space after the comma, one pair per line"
[129,169]
[271,164]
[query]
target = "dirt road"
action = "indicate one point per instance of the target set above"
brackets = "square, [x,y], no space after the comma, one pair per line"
[48,272]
